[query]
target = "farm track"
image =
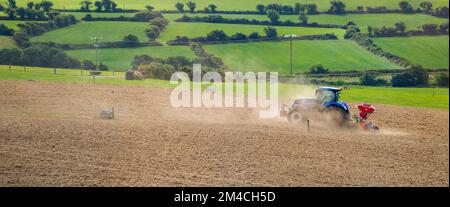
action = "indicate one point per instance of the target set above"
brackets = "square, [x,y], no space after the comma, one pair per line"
[50,135]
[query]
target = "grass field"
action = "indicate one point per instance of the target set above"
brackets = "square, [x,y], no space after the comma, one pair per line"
[412,21]
[120,58]
[237,4]
[202,29]
[7,42]
[430,52]
[274,56]
[417,97]
[82,32]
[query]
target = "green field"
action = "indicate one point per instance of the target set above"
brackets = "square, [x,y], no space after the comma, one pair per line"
[237,4]
[82,32]
[417,97]
[412,21]
[430,52]
[7,42]
[274,56]
[120,58]
[202,29]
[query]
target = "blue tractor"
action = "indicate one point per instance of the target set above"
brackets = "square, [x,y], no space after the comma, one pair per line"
[326,101]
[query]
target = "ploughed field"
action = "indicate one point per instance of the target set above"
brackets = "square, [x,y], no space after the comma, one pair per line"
[51,135]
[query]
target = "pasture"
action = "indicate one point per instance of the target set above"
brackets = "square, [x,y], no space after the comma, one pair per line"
[202,29]
[82,32]
[120,59]
[430,52]
[337,55]
[412,21]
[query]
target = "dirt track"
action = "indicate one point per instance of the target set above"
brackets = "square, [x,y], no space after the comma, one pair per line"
[50,135]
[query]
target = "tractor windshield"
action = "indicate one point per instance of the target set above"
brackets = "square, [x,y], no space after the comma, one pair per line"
[325,96]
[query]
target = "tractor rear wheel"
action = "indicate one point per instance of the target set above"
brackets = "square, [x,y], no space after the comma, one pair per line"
[296,116]
[337,116]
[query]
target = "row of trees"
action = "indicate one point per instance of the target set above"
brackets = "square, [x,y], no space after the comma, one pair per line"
[33,11]
[191,6]
[287,9]
[400,30]
[39,57]
[156,26]
[272,14]
[141,16]
[103,5]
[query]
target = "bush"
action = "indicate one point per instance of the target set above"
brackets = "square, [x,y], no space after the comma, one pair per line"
[156,70]
[217,35]
[318,69]
[130,38]
[88,65]
[133,75]
[5,30]
[152,32]
[161,23]
[271,32]
[102,67]
[369,79]
[416,76]
[442,80]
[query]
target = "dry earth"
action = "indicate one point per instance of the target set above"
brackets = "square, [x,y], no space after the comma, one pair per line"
[51,135]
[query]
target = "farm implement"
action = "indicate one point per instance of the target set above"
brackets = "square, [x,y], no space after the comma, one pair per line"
[326,104]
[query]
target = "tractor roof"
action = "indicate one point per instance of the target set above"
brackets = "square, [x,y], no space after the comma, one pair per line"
[329,89]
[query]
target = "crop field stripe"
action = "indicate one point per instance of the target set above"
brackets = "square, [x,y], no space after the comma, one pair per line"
[274,56]
[428,51]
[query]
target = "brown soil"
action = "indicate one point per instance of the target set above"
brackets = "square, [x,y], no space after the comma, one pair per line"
[51,135]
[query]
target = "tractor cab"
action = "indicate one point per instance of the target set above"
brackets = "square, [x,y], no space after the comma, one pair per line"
[327,94]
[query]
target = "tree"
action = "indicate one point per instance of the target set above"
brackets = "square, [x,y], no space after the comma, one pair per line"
[107,5]
[415,76]
[149,8]
[430,28]
[5,30]
[369,79]
[238,36]
[156,70]
[216,35]
[113,6]
[161,23]
[254,35]
[318,69]
[442,80]
[11,4]
[85,6]
[37,6]
[212,8]
[270,32]
[443,28]
[130,38]
[52,14]
[337,7]
[261,8]
[191,5]
[400,27]
[11,12]
[46,5]
[351,31]
[274,16]
[152,32]
[360,8]
[88,65]
[406,7]
[303,17]
[98,6]
[21,12]
[30,5]
[370,30]
[427,6]
[179,6]
[102,67]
